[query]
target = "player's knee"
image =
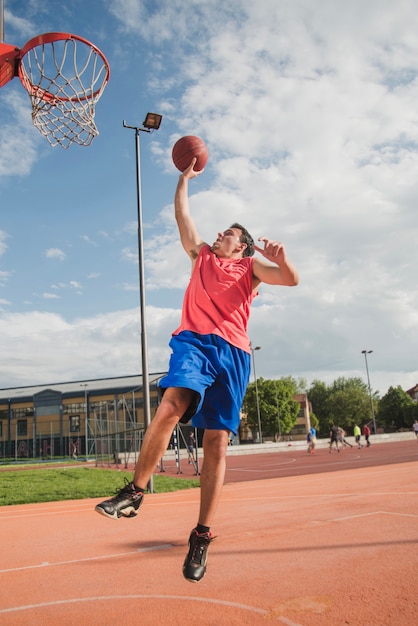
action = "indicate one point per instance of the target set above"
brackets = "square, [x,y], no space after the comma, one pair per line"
[215,443]
[175,402]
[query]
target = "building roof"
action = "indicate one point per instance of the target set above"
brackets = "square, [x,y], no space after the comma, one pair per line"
[121,384]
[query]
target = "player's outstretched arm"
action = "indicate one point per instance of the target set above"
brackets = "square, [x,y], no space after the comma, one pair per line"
[189,236]
[279,271]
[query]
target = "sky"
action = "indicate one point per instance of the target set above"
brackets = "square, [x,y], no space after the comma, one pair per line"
[309,109]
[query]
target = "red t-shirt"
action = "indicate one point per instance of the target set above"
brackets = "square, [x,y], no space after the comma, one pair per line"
[218,298]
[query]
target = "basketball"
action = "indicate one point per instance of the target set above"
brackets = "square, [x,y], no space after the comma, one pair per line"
[188,148]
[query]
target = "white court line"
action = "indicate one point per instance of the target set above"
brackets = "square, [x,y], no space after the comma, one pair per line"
[341,519]
[317,496]
[235,605]
[92,558]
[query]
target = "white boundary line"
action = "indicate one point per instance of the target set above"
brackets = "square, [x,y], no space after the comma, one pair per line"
[226,603]
[91,558]
[341,519]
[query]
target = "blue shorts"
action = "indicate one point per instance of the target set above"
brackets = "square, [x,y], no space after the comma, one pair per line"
[217,371]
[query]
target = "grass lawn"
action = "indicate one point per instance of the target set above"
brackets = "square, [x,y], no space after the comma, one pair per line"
[52,484]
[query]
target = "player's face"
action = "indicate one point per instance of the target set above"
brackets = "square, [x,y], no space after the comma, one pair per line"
[227,243]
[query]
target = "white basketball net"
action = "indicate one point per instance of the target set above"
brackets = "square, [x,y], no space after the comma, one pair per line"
[65,79]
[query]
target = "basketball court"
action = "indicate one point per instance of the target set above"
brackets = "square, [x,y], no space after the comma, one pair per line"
[333,547]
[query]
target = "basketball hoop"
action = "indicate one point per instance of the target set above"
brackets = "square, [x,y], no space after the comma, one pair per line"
[64,75]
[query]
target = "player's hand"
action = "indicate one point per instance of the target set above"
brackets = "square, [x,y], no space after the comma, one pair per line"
[190,173]
[273,250]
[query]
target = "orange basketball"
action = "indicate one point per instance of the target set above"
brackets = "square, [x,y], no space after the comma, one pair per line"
[188,148]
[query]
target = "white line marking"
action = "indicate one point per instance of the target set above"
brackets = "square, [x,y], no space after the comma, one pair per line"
[227,603]
[92,558]
[340,519]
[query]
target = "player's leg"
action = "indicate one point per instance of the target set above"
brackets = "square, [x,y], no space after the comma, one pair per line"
[157,437]
[215,444]
[174,404]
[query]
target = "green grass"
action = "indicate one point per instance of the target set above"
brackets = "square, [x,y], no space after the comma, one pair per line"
[50,485]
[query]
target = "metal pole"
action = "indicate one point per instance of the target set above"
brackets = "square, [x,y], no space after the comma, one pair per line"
[85,385]
[2,21]
[366,352]
[260,437]
[144,346]
[278,413]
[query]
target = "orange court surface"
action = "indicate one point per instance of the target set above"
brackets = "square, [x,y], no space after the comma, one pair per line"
[302,540]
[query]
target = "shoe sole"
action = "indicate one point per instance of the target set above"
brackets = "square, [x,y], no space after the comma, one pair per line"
[115,515]
[193,580]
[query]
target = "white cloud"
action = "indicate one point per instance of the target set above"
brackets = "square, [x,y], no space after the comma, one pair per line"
[88,240]
[110,345]
[18,140]
[3,245]
[55,253]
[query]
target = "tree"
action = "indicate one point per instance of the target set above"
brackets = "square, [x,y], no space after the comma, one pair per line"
[396,409]
[318,395]
[276,402]
[348,407]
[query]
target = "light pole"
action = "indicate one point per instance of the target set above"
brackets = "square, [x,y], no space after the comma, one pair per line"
[260,437]
[278,414]
[85,385]
[366,352]
[152,122]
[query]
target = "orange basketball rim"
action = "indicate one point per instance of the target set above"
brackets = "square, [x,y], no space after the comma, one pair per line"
[64,75]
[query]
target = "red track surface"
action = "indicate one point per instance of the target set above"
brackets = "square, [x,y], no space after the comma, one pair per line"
[294,547]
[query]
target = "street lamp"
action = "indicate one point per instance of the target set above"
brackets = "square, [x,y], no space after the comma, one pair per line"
[366,352]
[260,437]
[85,385]
[151,122]
[278,413]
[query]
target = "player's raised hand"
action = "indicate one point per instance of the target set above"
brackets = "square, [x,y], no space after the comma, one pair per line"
[189,172]
[273,250]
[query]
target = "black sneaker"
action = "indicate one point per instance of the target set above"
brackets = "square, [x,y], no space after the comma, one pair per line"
[125,504]
[194,567]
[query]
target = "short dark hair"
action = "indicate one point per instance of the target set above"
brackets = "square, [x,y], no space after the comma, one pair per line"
[245,238]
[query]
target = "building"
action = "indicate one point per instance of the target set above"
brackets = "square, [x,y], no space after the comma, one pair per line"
[413,392]
[90,417]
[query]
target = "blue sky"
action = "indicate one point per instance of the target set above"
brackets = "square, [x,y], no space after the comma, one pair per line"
[309,110]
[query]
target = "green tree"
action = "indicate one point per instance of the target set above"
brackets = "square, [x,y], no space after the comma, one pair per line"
[318,395]
[348,407]
[341,383]
[275,402]
[396,409]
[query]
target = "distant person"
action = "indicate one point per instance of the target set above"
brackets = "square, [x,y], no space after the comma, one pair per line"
[312,441]
[366,433]
[415,428]
[192,448]
[357,436]
[333,438]
[309,442]
[210,364]
[341,438]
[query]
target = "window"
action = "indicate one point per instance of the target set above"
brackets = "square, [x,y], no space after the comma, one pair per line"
[23,412]
[22,427]
[74,407]
[74,423]
[1,429]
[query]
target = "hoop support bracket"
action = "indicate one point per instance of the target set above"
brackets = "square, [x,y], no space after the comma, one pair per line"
[9,60]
